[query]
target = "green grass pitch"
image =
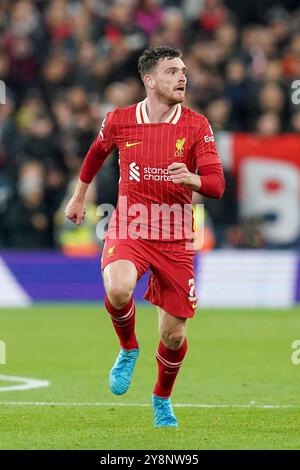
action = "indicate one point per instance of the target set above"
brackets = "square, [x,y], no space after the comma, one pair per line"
[237,361]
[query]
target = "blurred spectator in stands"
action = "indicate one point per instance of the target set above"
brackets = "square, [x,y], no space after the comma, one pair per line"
[148,15]
[295,122]
[82,120]
[25,43]
[4,66]
[65,133]
[27,222]
[258,46]
[238,89]
[271,99]
[62,112]
[31,106]
[121,44]
[204,234]
[9,137]
[56,75]
[40,144]
[213,15]
[208,53]
[291,61]
[273,71]
[9,140]
[224,214]
[203,83]
[204,62]
[120,25]
[268,124]
[218,114]
[171,30]
[59,25]
[117,94]
[278,19]
[190,8]
[74,240]
[227,39]
[83,23]
[87,55]
[252,234]
[84,131]
[136,89]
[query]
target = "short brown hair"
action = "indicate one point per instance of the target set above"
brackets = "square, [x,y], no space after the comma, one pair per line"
[151,57]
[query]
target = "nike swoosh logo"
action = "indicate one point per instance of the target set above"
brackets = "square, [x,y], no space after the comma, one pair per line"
[132,145]
[194,306]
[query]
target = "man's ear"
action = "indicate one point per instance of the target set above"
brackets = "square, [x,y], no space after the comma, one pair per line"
[149,81]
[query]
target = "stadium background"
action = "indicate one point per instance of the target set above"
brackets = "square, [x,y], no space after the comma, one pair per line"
[64,65]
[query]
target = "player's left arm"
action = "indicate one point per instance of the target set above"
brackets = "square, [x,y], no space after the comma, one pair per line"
[181,175]
[210,181]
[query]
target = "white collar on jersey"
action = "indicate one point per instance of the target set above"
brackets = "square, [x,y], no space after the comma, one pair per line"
[143,118]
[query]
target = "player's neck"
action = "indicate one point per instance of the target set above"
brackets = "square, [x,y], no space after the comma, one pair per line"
[157,111]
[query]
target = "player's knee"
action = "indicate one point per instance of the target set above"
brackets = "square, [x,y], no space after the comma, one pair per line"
[119,296]
[173,339]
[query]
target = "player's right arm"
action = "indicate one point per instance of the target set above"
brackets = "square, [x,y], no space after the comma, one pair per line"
[94,159]
[208,163]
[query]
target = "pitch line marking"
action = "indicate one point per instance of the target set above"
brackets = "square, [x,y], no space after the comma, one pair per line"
[145,405]
[26,383]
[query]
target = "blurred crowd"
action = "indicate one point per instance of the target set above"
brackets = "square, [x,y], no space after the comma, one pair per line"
[66,63]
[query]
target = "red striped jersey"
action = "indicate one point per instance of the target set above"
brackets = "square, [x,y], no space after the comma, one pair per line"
[145,151]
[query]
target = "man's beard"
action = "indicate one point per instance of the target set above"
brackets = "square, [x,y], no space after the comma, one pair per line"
[168,99]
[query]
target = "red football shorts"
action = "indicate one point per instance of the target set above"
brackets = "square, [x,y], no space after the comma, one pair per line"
[171,284]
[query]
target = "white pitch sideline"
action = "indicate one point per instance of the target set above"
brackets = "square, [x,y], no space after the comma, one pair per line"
[146,405]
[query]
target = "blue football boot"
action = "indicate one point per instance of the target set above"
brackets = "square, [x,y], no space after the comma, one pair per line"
[163,412]
[121,373]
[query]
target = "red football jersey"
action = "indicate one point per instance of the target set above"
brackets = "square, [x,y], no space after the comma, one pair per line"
[150,205]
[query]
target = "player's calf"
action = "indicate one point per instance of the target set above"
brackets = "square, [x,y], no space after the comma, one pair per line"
[124,324]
